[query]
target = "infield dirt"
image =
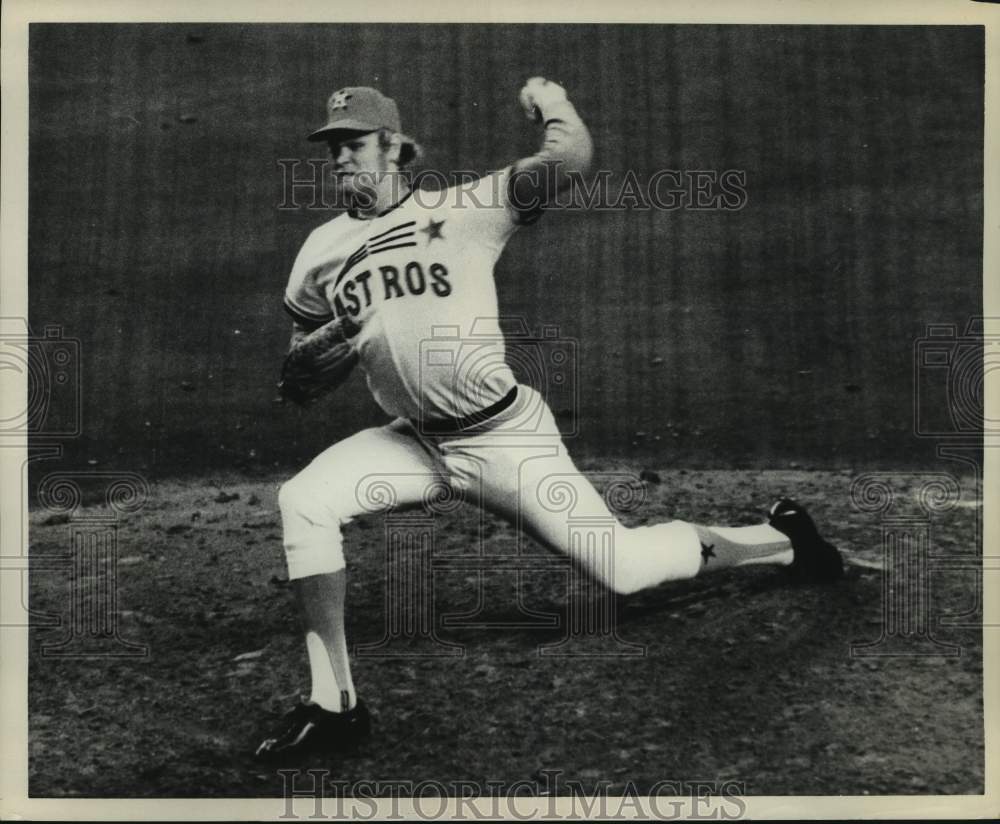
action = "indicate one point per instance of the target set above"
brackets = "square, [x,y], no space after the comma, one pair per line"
[741,676]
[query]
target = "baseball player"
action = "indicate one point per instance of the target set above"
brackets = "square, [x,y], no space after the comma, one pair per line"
[368,288]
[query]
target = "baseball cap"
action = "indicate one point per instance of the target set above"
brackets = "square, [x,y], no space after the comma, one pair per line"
[358,109]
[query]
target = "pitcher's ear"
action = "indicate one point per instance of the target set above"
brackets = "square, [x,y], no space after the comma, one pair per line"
[392,143]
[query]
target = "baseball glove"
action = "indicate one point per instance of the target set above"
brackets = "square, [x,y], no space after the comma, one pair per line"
[319,362]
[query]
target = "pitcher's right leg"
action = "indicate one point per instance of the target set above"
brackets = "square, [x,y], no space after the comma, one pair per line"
[315,505]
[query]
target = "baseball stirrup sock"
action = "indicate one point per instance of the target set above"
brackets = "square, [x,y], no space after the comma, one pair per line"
[723,546]
[326,690]
[321,599]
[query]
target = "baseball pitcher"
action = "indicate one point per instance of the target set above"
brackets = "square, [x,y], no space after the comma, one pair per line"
[366,289]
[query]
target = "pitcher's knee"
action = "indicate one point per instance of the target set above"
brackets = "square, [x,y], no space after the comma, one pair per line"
[651,555]
[619,570]
[311,527]
[626,580]
[290,496]
[298,499]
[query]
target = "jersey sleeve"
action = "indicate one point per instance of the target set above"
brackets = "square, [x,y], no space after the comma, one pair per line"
[304,299]
[485,209]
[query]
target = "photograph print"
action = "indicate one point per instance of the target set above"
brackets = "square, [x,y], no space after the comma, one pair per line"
[505,411]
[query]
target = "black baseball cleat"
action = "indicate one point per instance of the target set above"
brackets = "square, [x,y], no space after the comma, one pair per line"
[311,730]
[815,560]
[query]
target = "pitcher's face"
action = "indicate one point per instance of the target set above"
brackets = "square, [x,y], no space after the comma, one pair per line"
[360,162]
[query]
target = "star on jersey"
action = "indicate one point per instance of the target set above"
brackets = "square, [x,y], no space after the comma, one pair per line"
[339,100]
[706,552]
[433,230]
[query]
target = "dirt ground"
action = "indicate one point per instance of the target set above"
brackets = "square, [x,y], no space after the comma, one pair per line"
[741,676]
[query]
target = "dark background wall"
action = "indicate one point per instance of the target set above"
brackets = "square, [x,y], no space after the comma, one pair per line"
[782,332]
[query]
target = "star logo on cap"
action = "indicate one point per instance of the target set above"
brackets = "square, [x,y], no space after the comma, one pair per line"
[339,100]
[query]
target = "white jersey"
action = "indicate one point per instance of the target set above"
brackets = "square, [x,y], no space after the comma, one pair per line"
[418,280]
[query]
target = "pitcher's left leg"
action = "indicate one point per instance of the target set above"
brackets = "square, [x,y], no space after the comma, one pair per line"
[534,483]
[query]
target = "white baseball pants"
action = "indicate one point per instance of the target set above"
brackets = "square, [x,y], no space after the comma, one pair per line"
[515,466]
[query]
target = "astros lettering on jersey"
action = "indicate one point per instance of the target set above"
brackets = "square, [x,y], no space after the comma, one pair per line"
[424,265]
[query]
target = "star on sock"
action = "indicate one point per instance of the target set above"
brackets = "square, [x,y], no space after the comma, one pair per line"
[707,552]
